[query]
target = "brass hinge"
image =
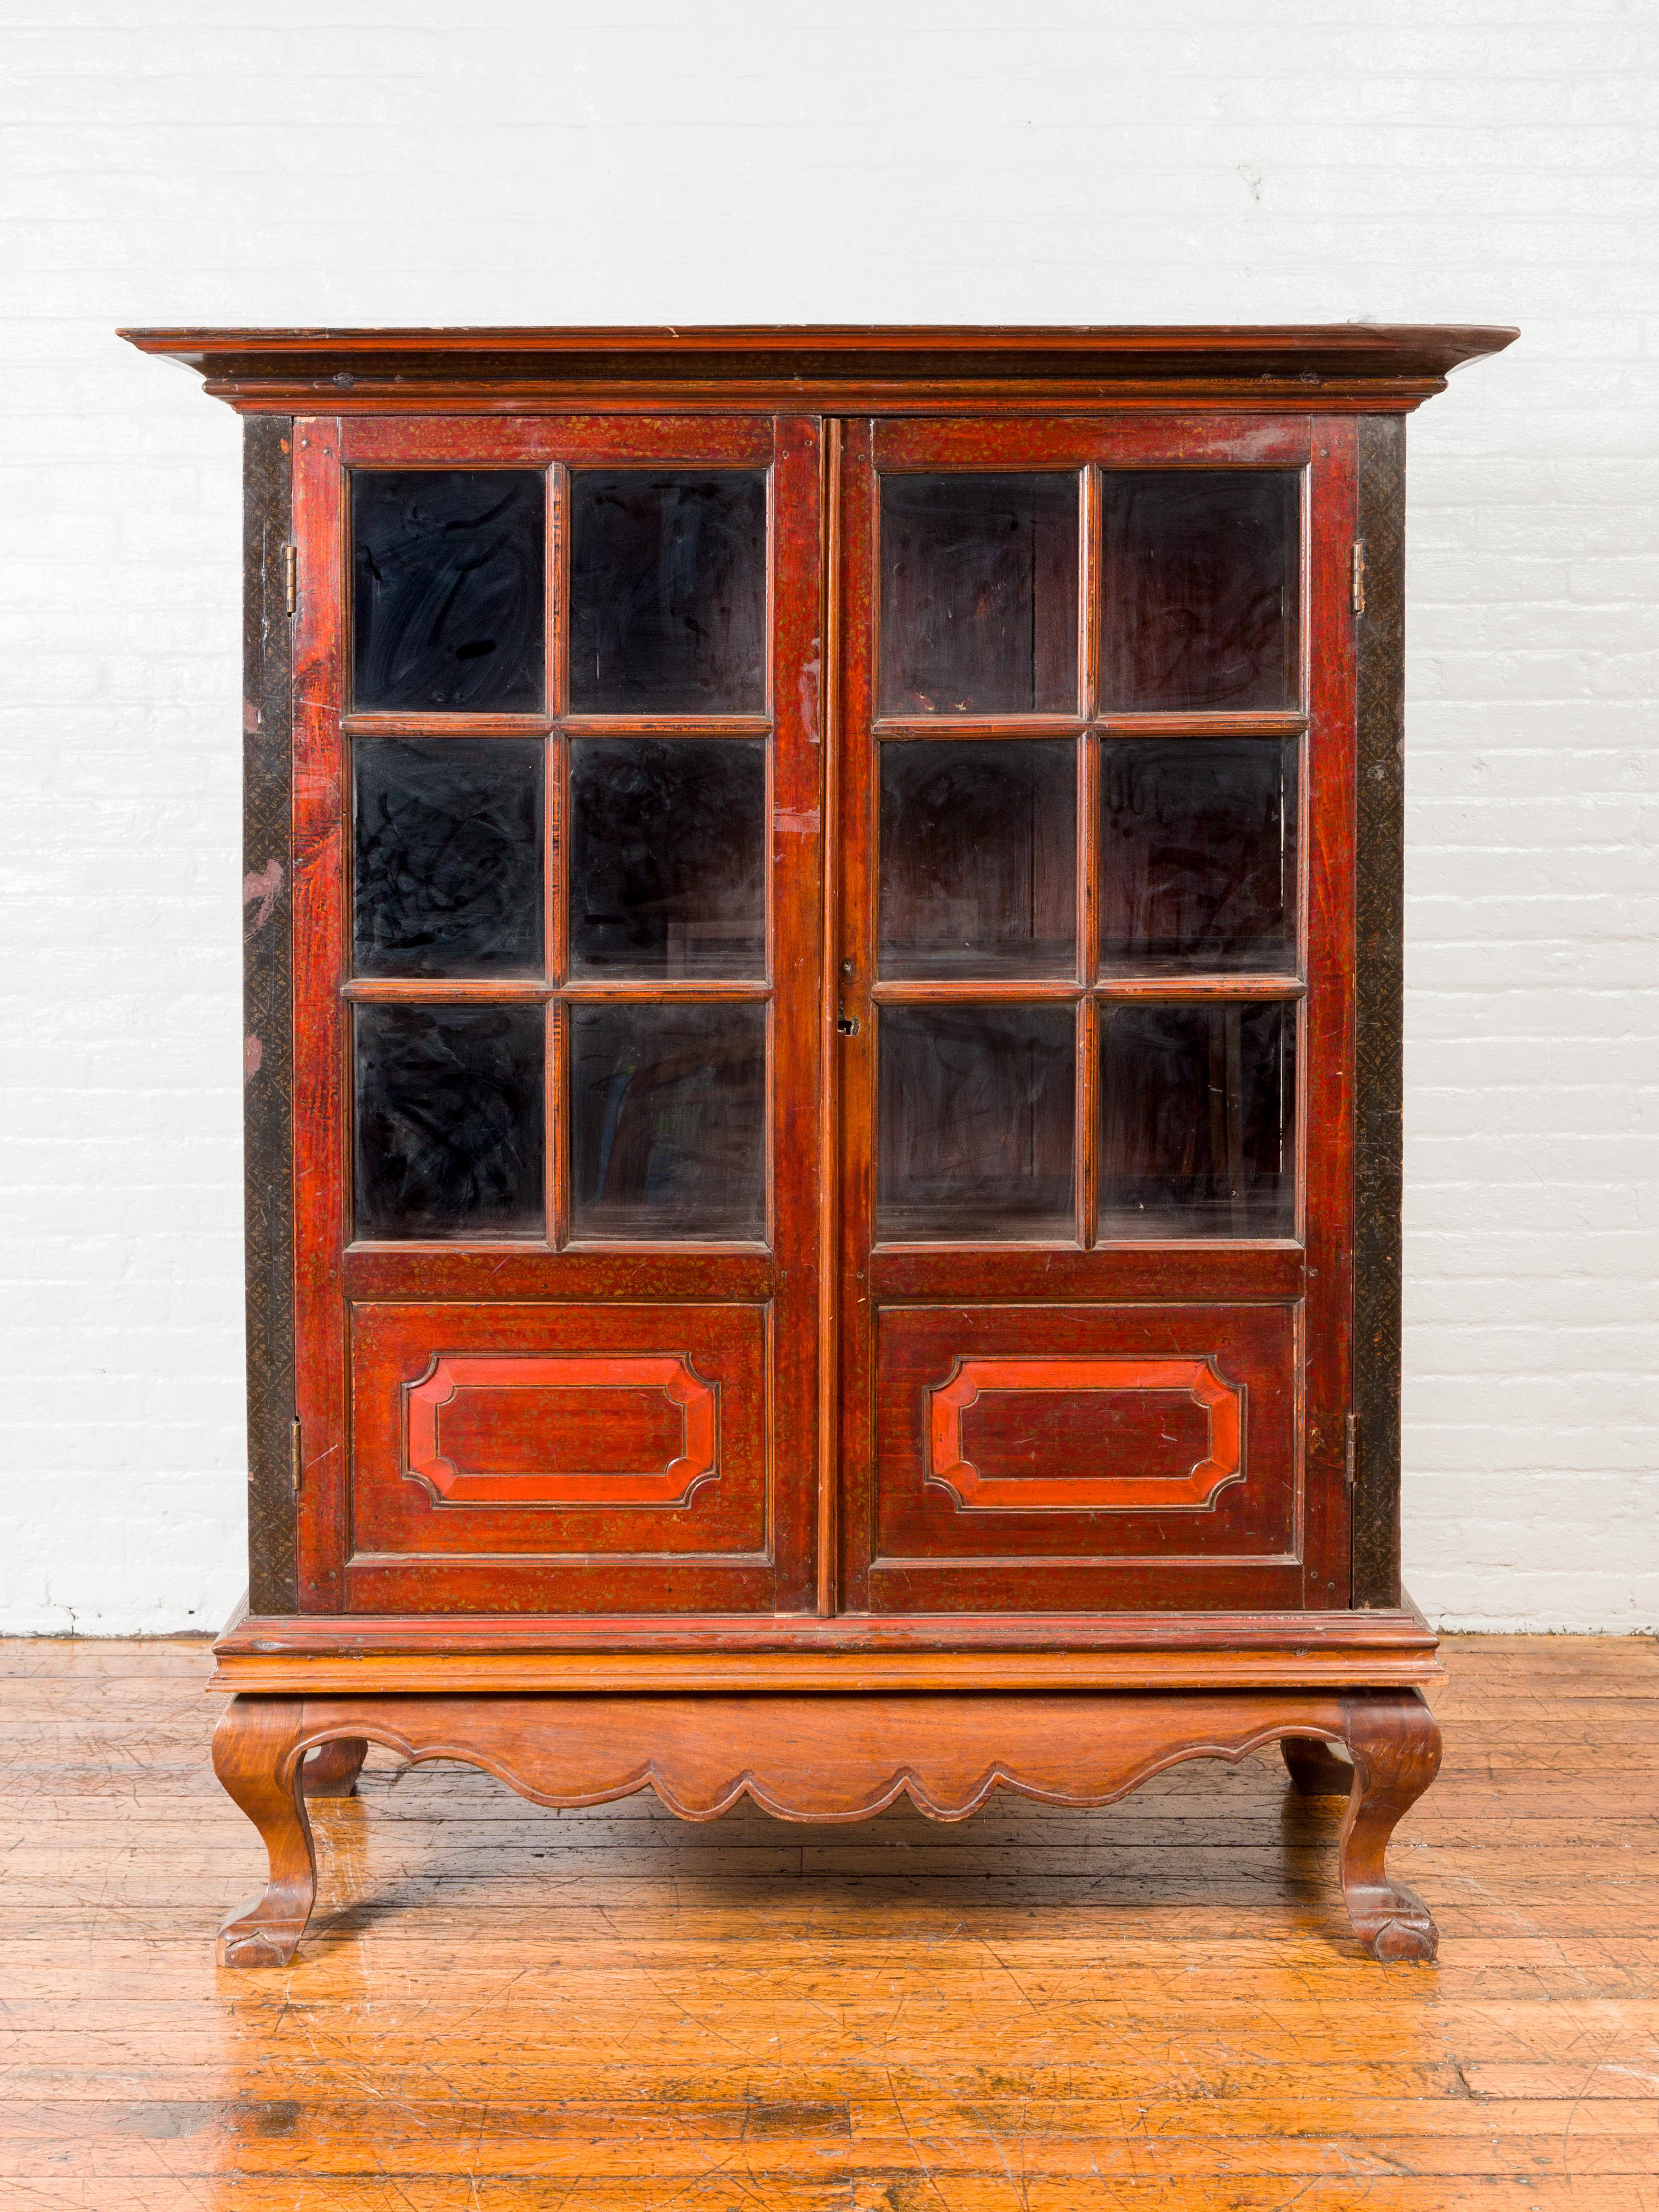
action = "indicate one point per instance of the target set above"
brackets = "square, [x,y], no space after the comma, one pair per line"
[1352,1429]
[296,1457]
[1359,575]
[291,577]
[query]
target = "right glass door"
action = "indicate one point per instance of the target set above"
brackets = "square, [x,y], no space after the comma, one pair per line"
[1096,911]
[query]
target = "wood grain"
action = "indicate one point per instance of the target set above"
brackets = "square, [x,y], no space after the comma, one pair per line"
[431,1653]
[624,1428]
[428,1481]
[1379,1008]
[1156,2006]
[389,1518]
[1231,1534]
[1105,1433]
[268,1005]
[907,370]
[828,1760]
[1280,1536]
[321,1149]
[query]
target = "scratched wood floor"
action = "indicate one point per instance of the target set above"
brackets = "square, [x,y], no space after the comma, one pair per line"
[1156,2006]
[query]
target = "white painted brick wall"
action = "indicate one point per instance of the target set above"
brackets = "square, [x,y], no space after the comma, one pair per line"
[1072,161]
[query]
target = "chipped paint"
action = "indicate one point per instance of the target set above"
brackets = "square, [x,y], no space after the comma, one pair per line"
[265,887]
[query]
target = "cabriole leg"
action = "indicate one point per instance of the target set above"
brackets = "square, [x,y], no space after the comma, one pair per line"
[1396,1746]
[256,1756]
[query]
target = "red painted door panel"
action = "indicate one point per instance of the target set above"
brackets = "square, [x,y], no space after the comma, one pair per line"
[1095,968]
[558,905]
[578,1120]
[1050,1445]
[578,1447]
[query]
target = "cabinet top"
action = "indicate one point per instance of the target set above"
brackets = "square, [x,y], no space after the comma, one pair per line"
[1346,367]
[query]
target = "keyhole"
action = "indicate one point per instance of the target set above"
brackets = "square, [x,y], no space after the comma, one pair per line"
[848,1024]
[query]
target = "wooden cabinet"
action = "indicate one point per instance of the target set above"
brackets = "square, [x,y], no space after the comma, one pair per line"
[824,1066]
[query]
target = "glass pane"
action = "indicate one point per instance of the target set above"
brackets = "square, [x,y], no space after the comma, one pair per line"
[668,1121]
[979,858]
[979,594]
[1197,1109]
[1198,854]
[668,856]
[447,842]
[668,594]
[449,589]
[1201,584]
[449,1121]
[975,1123]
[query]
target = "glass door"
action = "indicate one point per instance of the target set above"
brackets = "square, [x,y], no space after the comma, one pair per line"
[1094,975]
[557,1037]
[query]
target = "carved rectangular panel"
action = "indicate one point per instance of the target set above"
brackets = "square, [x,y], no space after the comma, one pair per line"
[531,1455]
[1089,1454]
[1116,1435]
[621,1428]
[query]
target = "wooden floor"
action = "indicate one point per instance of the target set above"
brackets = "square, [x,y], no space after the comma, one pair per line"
[1156,2006]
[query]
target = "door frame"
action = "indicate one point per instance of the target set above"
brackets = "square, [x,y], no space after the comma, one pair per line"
[820,1484]
[1312,1273]
[331,1274]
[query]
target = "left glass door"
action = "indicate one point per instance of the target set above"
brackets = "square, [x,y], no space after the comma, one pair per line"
[556,807]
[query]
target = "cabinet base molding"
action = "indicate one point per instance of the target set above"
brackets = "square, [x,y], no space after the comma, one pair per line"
[311,1655]
[832,1758]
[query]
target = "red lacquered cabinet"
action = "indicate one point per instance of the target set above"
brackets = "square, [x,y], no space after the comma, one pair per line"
[824,993]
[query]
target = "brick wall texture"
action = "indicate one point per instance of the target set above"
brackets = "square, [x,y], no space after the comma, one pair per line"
[1065,161]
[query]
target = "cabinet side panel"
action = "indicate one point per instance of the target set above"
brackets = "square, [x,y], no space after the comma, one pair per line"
[267,997]
[1380,1013]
